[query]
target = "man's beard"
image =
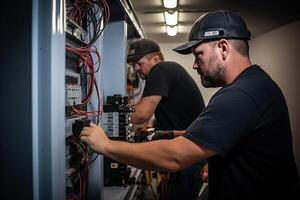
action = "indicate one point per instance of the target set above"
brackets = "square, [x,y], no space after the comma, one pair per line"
[216,78]
[141,76]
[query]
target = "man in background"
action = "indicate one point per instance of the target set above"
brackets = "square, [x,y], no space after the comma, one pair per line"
[173,97]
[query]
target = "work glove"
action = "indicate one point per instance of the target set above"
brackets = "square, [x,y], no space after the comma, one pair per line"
[160,134]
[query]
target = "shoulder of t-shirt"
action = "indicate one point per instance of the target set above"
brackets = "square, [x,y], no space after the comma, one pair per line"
[167,65]
[168,68]
[254,83]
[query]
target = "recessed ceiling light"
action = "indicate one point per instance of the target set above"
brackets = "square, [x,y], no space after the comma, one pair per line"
[170,3]
[172,30]
[171,18]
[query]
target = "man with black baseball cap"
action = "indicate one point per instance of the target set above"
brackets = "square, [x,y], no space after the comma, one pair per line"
[246,123]
[167,85]
[244,132]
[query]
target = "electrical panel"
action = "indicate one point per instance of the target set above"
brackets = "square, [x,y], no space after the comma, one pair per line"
[115,122]
[76,153]
[82,66]
[85,22]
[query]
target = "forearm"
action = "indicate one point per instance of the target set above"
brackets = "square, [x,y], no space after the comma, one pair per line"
[156,155]
[161,155]
[138,117]
[144,109]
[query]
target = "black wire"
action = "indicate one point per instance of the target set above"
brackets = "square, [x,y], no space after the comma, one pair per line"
[96,23]
[93,160]
[91,9]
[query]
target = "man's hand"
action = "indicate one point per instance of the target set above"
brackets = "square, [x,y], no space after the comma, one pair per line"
[95,137]
[204,173]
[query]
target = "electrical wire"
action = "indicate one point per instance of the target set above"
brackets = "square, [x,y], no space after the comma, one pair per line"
[92,15]
[95,13]
[86,63]
[83,169]
[93,160]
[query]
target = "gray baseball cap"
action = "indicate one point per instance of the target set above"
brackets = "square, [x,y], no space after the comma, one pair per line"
[141,47]
[215,25]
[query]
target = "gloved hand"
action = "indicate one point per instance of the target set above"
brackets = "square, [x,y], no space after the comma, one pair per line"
[142,133]
[161,134]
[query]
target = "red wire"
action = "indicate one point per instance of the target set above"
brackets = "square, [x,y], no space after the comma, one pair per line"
[83,173]
[107,11]
[86,62]
[77,11]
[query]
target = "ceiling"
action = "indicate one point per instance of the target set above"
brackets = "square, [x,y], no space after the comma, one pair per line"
[260,15]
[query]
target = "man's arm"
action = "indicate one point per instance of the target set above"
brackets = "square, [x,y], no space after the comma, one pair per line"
[145,109]
[161,155]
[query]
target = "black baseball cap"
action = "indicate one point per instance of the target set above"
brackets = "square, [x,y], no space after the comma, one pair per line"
[215,25]
[141,47]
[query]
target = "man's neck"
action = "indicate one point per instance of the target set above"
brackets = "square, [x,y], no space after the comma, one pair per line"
[236,68]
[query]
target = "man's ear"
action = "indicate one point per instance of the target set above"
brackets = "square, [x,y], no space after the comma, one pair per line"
[156,59]
[224,48]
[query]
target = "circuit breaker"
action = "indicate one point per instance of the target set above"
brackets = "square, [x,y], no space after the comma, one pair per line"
[115,122]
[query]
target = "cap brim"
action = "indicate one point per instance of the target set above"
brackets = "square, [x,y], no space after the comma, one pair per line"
[134,58]
[187,47]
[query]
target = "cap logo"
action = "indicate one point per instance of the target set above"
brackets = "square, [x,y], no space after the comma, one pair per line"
[211,33]
[131,51]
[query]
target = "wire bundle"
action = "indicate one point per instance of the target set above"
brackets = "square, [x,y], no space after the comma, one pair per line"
[93,16]
[96,14]
[83,169]
[86,63]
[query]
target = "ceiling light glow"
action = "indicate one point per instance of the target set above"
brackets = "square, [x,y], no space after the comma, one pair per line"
[170,3]
[172,30]
[171,18]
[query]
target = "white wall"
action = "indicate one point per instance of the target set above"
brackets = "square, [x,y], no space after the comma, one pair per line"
[278,52]
[187,62]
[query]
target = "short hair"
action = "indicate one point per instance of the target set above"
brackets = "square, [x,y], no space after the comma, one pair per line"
[157,53]
[241,46]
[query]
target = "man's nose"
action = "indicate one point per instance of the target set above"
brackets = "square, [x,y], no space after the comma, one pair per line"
[136,67]
[195,65]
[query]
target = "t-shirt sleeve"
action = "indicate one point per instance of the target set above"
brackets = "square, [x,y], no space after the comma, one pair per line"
[157,83]
[229,117]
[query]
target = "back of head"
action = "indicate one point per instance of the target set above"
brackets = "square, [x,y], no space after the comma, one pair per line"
[213,26]
[141,47]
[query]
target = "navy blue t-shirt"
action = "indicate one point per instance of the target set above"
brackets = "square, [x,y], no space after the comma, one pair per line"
[247,125]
